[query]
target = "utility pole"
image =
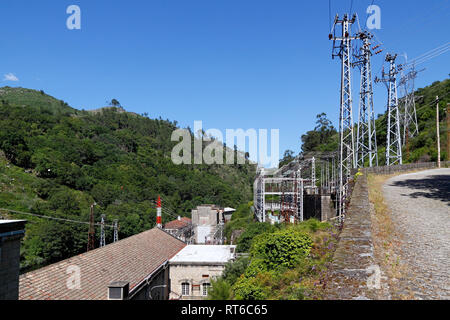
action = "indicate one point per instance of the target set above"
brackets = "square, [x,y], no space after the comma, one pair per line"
[394,144]
[91,234]
[448,131]
[116,230]
[342,48]
[437,132]
[366,140]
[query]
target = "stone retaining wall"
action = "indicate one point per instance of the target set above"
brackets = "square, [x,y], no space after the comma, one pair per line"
[354,273]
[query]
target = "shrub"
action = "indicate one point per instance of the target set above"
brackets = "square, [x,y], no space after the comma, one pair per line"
[220,290]
[245,240]
[234,269]
[256,266]
[283,248]
[249,289]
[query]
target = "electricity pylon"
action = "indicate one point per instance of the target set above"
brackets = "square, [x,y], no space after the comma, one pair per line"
[342,48]
[394,143]
[410,126]
[366,139]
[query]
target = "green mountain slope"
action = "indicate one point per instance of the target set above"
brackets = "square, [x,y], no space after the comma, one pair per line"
[62,162]
[37,99]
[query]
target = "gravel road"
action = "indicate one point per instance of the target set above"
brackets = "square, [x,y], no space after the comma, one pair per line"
[420,207]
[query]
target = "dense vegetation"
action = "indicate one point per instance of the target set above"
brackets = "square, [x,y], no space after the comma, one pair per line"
[57,161]
[422,148]
[278,262]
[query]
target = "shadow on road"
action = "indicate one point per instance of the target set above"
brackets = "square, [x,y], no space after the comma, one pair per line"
[435,186]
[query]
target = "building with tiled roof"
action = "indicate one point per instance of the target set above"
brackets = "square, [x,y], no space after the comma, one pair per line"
[181,228]
[133,268]
[180,223]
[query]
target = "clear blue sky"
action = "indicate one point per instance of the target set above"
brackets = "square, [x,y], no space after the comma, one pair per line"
[230,63]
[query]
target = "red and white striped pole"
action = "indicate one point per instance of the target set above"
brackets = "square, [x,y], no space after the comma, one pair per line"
[158,213]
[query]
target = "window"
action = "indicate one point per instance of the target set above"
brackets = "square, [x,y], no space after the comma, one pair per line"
[206,288]
[185,289]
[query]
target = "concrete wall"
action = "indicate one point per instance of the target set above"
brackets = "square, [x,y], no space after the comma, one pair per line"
[11,234]
[327,209]
[194,275]
[205,219]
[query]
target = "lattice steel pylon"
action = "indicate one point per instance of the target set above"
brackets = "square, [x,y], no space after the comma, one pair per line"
[394,141]
[342,48]
[410,125]
[366,138]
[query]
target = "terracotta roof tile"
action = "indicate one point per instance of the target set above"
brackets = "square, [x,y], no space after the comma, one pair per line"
[178,224]
[131,259]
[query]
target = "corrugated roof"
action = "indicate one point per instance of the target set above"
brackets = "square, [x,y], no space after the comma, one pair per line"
[131,260]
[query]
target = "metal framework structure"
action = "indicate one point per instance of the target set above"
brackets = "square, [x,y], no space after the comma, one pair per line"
[366,139]
[410,125]
[394,143]
[342,44]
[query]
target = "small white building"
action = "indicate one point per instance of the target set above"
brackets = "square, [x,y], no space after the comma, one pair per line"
[192,269]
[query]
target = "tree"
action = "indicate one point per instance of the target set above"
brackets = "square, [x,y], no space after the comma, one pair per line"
[321,134]
[288,156]
[115,103]
[220,290]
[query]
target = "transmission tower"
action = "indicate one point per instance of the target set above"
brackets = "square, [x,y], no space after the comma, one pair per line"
[394,144]
[410,126]
[91,234]
[366,139]
[341,48]
[102,232]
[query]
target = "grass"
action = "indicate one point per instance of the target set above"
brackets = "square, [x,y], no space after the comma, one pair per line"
[38,99]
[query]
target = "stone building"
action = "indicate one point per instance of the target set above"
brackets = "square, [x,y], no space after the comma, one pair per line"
[11,233]
[193,268]
[206,220]
[181,229]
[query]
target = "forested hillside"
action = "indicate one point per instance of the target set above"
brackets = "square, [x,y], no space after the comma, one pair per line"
[57,161]
[421,148]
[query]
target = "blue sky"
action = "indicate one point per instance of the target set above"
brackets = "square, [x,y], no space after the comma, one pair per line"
[230,63]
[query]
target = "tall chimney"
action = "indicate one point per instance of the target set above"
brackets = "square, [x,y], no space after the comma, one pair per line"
[158,213]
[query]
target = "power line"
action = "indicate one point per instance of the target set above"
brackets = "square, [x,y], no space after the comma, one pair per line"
[52,218]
